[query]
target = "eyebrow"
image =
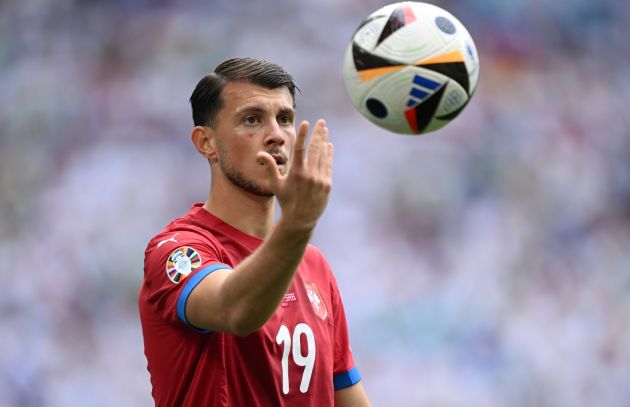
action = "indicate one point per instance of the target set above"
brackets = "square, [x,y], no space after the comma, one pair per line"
[257,109]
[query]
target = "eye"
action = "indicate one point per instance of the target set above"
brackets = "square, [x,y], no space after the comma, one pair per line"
[251,119]
[285,119]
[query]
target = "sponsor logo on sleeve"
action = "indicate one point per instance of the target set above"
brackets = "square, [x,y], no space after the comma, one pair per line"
[182,261]
[170,239]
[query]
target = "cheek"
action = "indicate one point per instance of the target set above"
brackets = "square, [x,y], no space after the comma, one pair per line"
[243,151]
[243,141]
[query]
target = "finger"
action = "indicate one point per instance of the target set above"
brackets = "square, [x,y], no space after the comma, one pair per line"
[328,164]
[324,127]
[315,146]
[265,159]
[321,132]
[300,144]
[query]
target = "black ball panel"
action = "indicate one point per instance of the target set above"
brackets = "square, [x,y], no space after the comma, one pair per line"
[376,107]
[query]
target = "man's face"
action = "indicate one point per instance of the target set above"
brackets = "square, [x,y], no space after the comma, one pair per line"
[254,119]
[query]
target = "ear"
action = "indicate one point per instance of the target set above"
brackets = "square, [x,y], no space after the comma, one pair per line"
[204,140]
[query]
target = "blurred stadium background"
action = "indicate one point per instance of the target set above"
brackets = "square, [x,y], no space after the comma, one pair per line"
[485,265]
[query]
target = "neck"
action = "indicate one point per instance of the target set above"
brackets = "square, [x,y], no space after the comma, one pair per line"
[249,213]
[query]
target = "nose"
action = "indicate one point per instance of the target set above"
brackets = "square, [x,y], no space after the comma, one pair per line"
[274,135]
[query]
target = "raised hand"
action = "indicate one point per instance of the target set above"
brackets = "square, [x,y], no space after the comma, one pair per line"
[303,192]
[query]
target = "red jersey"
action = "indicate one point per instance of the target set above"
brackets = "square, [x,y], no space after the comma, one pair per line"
[298,358]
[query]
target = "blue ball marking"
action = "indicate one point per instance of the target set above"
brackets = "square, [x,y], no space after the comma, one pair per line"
[445,25]
[470,52]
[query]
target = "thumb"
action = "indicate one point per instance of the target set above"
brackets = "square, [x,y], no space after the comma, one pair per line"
[265,159]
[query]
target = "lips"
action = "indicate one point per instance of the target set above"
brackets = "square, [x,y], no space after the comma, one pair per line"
[279,158]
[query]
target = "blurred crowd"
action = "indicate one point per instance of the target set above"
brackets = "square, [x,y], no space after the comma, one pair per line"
[486,264]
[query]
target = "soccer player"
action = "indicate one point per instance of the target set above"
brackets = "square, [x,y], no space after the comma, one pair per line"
[236,310]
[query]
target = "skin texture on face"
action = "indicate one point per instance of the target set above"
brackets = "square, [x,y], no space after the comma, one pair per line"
[254,119]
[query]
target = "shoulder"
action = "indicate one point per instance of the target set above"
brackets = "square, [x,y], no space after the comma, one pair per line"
[314,256]
[187,227]
[315,264]
[180,233]
[183,237]
[314,252]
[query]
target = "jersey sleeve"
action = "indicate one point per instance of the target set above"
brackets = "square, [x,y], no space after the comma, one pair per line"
[173,267]
[345,372]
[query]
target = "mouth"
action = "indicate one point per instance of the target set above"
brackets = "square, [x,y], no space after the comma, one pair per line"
[279,158]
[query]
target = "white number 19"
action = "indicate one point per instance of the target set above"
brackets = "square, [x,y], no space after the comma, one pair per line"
[307,361]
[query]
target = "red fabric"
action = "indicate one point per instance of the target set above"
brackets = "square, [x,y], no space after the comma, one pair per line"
[192,368]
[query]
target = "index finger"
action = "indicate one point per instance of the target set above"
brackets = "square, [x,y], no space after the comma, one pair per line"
[300,143]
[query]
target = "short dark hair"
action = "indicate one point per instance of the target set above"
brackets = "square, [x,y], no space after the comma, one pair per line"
[207,99]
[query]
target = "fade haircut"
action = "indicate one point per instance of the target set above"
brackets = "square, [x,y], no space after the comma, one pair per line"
[207,98]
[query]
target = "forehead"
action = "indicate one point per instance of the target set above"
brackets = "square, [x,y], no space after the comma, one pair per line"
[244,94]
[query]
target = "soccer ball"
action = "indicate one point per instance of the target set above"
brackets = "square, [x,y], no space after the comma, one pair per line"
[411,67]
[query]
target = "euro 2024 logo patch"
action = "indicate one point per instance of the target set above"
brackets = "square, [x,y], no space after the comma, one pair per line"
[183,261]
[316,300]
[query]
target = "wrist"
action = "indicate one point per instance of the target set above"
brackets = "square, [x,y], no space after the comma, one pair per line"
[295,230]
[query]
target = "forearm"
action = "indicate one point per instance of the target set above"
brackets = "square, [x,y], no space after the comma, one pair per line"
[253,290]
[353,396]
[243,299]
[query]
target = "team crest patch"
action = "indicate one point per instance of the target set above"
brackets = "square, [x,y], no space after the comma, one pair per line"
[316,300]
[181,263]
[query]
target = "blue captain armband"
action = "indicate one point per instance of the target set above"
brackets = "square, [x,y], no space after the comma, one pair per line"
[346,379]
[190,284]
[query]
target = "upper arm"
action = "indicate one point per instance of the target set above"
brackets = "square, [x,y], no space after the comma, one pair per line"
[203,308]
[176,264]
[353,396]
